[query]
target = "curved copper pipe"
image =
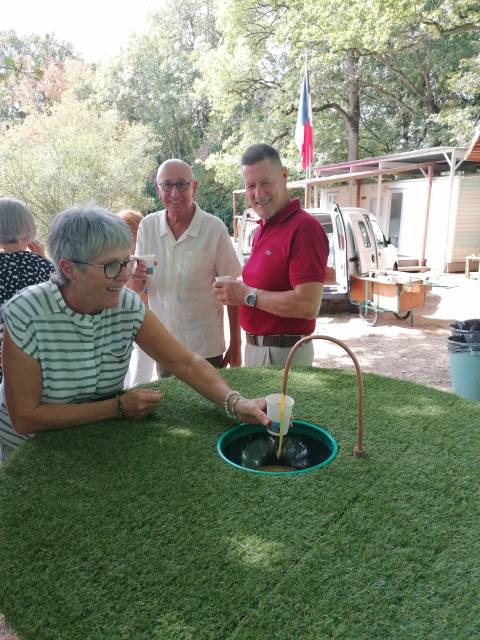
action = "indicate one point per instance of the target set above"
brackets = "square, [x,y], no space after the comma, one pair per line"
[358,449]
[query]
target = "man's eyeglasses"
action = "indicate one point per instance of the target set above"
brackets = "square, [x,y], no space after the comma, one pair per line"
[113,269]
[167,186]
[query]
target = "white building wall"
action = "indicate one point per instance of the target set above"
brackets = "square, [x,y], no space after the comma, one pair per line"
[343,195]
[437,236]
[466,240]
[413,213]
[414,200]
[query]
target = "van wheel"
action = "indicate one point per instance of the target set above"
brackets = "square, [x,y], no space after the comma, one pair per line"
[368,315]
[402,316]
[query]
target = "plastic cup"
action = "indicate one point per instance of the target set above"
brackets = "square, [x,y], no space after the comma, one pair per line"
[149,259]
[273,412]
[225,279]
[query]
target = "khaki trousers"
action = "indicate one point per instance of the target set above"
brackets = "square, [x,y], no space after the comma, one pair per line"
[257,356]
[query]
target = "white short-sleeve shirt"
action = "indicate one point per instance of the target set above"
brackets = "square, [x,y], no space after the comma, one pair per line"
[180,291]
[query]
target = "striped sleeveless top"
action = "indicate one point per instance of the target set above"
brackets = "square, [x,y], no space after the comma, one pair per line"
[83,357]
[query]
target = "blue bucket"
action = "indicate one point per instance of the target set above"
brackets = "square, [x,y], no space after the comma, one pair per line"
[464,367]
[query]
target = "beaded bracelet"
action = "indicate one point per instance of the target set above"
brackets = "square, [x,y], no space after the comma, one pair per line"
[228,411]
[121,412]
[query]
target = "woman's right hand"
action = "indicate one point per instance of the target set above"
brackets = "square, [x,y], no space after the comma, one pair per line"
[252,411]
[140,403]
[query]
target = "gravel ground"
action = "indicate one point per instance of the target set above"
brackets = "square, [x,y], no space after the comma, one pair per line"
[5,633]
[393,347]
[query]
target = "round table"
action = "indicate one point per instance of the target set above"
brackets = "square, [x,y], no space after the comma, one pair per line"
[139,531]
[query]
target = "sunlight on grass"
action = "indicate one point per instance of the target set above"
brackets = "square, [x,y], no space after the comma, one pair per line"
[253,550]
[183,432]
[422,407]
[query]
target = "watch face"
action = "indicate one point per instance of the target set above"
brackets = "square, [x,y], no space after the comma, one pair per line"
[251,299]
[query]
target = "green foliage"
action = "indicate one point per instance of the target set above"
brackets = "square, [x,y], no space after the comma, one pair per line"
[380,73]
[152,81]
[31,73]
[73,155]
[210,77]
[461,109]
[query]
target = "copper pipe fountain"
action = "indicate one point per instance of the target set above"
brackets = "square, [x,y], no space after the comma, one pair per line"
[358,450]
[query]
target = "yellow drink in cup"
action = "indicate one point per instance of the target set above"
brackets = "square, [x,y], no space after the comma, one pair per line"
[280,423]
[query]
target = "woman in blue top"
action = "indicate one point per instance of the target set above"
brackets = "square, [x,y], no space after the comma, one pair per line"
[67,342]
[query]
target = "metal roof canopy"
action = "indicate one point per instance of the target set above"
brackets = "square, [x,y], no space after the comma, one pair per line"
[446,160]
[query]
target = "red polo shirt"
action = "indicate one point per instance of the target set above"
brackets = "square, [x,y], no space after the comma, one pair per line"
[291,248]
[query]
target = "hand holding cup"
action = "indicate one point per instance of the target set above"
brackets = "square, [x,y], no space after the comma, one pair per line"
[279,423]
[150,262]
[138,280]
[230,291]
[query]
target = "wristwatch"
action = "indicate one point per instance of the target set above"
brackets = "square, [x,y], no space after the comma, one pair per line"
[251,297]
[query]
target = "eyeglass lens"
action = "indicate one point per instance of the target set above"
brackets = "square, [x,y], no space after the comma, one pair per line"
[113,269]
[168,186]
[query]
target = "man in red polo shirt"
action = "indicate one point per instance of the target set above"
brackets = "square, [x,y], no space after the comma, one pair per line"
[282,286]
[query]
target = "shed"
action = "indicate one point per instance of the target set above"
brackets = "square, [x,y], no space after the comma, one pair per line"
[427,201]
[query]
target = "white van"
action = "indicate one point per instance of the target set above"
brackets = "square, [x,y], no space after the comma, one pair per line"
[357,245]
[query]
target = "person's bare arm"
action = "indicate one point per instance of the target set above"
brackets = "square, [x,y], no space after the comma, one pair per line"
[28,414]
[303,301]
[233,355]
[162,346]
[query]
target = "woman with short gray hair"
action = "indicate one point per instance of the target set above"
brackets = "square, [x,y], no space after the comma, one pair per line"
[67,342]
[22,258]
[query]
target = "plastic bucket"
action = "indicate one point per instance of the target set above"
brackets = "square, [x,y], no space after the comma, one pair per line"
[464,367]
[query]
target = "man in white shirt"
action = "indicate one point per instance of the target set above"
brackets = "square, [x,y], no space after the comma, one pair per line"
[191,248]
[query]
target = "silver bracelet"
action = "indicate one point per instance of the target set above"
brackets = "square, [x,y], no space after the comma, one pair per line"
[234,413]
[230,413]
[121,412]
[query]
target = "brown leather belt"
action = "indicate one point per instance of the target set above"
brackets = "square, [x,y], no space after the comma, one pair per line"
[273,341]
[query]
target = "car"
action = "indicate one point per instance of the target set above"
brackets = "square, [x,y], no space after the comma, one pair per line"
[357,245]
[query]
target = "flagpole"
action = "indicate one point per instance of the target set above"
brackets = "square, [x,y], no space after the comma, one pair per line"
[303,128]
[308,171]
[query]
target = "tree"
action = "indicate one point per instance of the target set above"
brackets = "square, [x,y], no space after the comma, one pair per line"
[31,73]
[153,82]
[73,155]
[382,67]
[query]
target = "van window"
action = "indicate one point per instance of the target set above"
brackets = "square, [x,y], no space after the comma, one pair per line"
[341,237]
[378,233]
[364,232]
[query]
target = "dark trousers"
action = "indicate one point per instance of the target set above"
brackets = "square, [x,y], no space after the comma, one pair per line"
[216,361]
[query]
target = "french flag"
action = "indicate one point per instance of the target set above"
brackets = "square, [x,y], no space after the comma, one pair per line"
[303,130]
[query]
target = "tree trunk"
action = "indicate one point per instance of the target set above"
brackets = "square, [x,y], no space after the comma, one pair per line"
[353,122]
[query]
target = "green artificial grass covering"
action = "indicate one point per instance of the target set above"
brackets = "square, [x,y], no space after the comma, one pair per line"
[139,531]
